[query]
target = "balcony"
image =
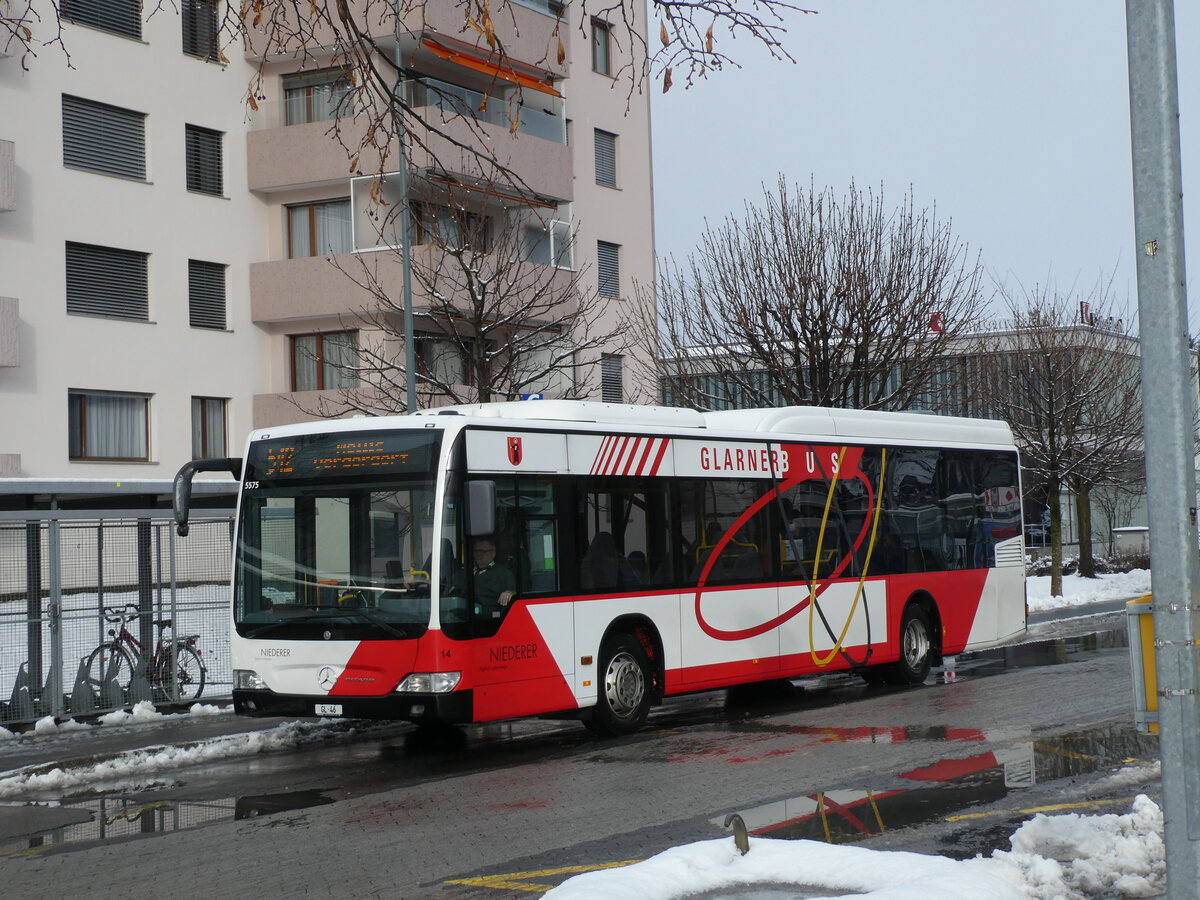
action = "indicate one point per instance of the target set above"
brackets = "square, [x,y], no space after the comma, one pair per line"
[290,156]
[10,348]
[526,30]
[8,176]
[316,288]
[440,102]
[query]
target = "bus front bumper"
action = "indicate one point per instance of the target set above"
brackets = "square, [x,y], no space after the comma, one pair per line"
[456,706]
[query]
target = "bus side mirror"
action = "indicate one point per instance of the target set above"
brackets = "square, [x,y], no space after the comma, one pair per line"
[182,494]
[481,508]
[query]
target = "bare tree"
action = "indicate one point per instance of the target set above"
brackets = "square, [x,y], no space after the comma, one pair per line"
[1066,376]
[365,39]
[813,299]
[499,311]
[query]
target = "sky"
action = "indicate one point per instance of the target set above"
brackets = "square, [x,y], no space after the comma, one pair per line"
[1013,118]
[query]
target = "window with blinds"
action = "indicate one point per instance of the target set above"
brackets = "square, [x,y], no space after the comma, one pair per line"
[606,158]
[105,281]
[102,138]
[608,266]
[203,162]
[201,29]
[123,17]
[206,294]
[612,378]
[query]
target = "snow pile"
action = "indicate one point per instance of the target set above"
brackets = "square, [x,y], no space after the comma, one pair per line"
[856,871]
[48,725]
[1076,857]
[143,711]
[1067,857]
[5,734]
[208,709]
[1078,591]
[138,768]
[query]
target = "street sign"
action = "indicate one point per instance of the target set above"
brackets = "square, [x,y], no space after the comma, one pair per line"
[533,396]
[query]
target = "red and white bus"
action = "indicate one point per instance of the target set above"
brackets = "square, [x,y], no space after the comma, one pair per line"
[486,562]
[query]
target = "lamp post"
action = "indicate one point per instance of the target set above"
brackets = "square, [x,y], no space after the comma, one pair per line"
[410,354]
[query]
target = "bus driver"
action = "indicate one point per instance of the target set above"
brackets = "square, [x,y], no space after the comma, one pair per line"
[495,585]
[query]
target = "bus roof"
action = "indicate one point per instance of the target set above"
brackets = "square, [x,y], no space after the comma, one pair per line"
[798,420]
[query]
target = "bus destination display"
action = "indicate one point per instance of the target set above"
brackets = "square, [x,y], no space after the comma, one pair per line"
[375,453]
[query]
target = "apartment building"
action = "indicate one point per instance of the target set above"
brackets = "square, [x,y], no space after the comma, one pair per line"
[166,281]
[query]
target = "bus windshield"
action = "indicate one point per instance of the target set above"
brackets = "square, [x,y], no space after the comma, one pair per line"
[335,537]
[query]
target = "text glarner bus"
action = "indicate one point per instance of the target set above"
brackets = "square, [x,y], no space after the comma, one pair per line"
[486,562]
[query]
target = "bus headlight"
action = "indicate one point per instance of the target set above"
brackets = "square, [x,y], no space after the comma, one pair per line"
[247,680]
[429,683]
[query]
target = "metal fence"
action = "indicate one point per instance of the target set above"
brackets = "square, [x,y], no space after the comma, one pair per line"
[68,584]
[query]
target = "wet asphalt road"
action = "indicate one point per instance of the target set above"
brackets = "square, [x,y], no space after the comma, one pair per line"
[508,810]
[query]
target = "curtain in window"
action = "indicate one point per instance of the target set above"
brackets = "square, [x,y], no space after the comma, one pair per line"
[304,362]
[331,228]
[339,360]
[116,427]
[208,427]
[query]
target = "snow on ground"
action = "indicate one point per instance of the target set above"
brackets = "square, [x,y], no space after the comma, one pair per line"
[1066,857]
[138,768]
[1078,591]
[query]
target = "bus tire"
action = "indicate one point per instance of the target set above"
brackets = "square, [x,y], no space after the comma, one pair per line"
[624,696]
[916,648]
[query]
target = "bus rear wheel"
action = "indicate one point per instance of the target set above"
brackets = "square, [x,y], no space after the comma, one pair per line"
[916,648]
[624,697]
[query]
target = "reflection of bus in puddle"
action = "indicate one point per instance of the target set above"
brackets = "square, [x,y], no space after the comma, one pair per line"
[948,786]
[120,818]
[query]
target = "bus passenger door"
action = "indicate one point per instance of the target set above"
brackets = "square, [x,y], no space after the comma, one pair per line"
[729,607]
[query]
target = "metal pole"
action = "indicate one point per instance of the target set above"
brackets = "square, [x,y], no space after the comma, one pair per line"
[1168,410]
[410,353]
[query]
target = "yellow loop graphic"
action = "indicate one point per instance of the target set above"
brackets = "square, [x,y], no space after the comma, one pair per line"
[812,590]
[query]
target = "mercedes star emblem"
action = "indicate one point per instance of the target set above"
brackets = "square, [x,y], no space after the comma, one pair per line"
[327,678]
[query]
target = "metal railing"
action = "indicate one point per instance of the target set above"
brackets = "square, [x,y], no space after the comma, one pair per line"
[61,571]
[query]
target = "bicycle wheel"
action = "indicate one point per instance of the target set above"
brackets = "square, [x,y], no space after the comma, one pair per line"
[109,671]
[189,674]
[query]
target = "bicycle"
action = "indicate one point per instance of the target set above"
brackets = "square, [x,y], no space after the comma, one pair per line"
[113,661]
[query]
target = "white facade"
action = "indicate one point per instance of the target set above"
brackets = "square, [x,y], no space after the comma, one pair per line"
[47,353]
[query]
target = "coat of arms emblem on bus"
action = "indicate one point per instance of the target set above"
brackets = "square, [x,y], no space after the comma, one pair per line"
[514,450]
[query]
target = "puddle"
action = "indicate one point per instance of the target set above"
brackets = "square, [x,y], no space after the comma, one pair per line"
[117,818]
[1056,651]
[945,788]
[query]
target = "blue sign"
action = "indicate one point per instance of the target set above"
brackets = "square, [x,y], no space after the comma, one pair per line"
[533,396]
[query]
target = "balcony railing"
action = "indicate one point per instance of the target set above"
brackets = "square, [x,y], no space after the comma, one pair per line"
[452,100]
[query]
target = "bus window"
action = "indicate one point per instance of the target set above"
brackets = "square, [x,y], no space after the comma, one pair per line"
[708,510]
[623,529]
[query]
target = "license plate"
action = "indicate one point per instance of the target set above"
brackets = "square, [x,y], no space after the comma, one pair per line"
[329,709]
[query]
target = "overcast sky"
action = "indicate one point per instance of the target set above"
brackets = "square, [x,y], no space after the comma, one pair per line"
[1013,117]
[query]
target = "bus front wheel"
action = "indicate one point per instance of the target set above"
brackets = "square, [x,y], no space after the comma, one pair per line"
[916,648]
[624,696]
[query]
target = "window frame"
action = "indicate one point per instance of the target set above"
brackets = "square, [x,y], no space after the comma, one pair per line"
[92,14]
[190,12]
[103,138]
[81,269]
[198,270]
[198,181]
[318,358]
[601,45]
[609,155]
[77,425]
[608,283]
[312,227]
[200,405]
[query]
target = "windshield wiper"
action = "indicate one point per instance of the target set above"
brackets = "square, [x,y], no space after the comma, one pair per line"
[374,617]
